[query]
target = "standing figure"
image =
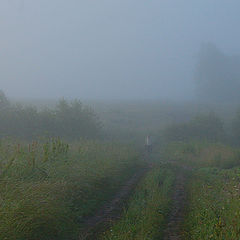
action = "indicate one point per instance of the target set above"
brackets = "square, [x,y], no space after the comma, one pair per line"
[148,144]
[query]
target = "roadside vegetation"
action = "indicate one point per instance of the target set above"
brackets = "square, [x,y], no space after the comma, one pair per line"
[48,188]
[213,209]
[202,154]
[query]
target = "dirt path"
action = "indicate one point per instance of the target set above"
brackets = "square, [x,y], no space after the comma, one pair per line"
[111,210]
[176,214]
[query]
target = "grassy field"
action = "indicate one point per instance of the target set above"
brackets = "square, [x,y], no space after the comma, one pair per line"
[202,154]
[145,215]
[47,188]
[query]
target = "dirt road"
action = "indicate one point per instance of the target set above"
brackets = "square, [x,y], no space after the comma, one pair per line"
[111,210]
[176,215]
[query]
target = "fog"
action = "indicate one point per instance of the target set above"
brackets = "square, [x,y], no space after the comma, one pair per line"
[128,49]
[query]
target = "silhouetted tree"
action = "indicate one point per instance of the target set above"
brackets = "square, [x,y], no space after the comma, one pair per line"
[3,100]
[69,120]
[236,129]
[217,76]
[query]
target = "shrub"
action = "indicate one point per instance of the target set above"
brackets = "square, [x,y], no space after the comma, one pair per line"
[71,120]
[203,127]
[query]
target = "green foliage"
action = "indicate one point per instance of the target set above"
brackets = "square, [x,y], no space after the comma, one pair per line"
[48,188]
[213,211]
[202,154]
[54,149]
[236,129]
[202,127]
[70,120]
[213,189]
[147,210]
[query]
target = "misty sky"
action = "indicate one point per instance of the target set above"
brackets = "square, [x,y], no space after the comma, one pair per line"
[110,49]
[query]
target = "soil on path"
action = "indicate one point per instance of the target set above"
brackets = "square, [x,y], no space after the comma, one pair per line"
[176,215]
[111,211]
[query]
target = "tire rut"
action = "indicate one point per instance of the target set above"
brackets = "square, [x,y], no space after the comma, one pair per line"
[176,215]
[112,209]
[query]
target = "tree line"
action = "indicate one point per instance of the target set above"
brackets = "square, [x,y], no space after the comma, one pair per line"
[217,76]
[205,127]
[68,119]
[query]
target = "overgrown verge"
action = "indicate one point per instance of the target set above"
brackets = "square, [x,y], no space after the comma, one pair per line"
[202,154]
[47,189]
[213,210]
[145,216]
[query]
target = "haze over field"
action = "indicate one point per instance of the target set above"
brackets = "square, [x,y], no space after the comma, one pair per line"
[119,119]
[110,49]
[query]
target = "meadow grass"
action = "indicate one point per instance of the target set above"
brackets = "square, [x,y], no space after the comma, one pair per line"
[145,215]
[214,210]
[202,154]
[47,189]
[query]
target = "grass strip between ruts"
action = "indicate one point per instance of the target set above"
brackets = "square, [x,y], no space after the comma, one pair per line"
[146,213]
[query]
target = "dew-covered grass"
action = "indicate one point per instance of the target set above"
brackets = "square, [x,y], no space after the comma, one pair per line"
[214,209]
[47,188]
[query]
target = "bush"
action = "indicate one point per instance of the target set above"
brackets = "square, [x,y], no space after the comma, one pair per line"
[203,127]
[70,120]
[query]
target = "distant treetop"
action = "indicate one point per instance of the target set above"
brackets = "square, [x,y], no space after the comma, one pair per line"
[217,76]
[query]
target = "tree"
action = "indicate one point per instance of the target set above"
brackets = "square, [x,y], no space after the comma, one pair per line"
[69,120]
[236,128]
[4,103]
[74,120]
[217,76]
